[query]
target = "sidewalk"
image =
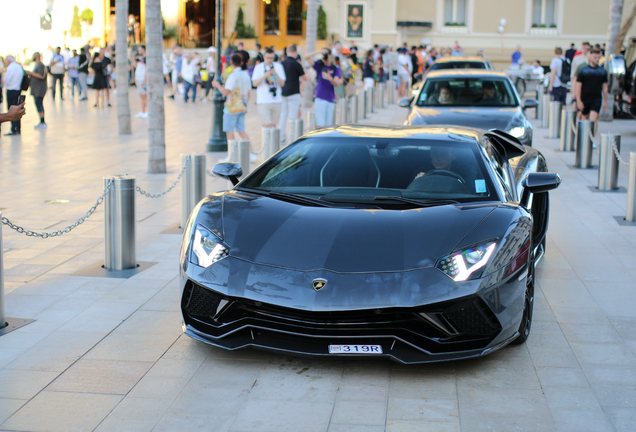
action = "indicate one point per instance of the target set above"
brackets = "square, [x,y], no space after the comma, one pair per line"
[109,355]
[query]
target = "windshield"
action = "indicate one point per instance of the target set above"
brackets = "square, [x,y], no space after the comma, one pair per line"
[372,170]
[458,65]
[465,91]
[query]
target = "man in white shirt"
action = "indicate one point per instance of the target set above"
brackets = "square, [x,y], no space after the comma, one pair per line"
[405,69]
[12,82]
[210,67]
[57,70]
[269,78]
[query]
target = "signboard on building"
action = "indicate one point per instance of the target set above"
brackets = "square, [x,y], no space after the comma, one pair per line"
[355,21]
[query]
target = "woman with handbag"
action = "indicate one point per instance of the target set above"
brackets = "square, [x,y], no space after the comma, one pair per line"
[99,82]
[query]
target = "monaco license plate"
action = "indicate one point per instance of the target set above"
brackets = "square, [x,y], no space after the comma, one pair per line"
[355,349]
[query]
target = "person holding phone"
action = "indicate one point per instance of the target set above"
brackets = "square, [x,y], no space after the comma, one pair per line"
[15,113]
[269,79]
[328,77]
[38,87]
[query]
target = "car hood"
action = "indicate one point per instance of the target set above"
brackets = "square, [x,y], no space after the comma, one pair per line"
[482,117]
[267,231]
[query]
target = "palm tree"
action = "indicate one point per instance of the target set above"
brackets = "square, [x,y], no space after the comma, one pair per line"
[123,105]
[616,16]
[312,25]
[154,68]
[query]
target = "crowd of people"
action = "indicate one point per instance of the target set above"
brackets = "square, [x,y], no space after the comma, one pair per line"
[283,84]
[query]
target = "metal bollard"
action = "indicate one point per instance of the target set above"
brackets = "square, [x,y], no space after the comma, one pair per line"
[391,90]
[630,214]
[341,109]
[568,117]
[311,121]
[244,155]
[554,130]
[538,109]
[353,109]
[192,184]
[271,141]
[545,111]
[608,163]
[360,103]
[232,150]
[381,94]
[371,99]
[119,223]
[3,321]
[294,130]
[363,99]
[583,154]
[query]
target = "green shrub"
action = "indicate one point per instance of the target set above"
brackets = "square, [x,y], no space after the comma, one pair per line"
[239,27]
[322,24]
[87,15]
[76,25]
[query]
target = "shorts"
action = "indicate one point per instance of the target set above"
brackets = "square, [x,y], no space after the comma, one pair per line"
[559,94]
[234,122]
[269,112]
[591,105]
[38,103]
[141,89]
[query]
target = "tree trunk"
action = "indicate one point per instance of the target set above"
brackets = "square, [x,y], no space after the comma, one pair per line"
[123,104]
[154,68]
[312,26]
[616,15]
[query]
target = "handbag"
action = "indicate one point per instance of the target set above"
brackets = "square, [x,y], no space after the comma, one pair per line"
[24,86]
[350,89]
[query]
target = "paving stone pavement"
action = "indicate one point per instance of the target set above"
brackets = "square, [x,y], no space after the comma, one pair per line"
[108,354]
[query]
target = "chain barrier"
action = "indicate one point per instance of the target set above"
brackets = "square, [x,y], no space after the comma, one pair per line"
[66,230]
[174,184]
[595,144]
[617,153]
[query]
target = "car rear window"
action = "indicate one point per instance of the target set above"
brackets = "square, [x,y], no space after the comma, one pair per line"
[458,65]
[467,91]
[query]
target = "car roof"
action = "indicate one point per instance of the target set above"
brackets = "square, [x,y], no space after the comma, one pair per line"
[465,72]
[449,133]
[460,59]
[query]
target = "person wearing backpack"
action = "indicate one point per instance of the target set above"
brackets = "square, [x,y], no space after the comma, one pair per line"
[560,68]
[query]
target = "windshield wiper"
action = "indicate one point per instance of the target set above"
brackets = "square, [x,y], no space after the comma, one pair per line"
[431,203]
[286,196]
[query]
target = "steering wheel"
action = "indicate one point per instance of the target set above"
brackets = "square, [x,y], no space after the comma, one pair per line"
[446,173]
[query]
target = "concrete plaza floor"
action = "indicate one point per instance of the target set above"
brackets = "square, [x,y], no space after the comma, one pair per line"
[108,354]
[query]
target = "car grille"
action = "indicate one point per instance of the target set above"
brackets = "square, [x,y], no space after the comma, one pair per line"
[467,324]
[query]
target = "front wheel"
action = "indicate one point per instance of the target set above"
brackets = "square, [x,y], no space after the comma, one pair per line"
[528,306]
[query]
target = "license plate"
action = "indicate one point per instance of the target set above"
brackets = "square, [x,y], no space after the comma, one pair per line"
[355,349]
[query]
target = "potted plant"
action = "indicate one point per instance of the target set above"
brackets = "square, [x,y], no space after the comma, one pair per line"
[87,16]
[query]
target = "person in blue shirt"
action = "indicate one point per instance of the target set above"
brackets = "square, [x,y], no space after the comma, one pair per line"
[516,56]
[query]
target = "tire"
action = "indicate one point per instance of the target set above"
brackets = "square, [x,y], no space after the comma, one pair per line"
[528,307]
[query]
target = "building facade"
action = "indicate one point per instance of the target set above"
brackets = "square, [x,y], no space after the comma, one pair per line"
[497,26]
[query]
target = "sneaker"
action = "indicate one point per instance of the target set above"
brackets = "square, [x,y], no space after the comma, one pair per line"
[225,159]
[109,105]
[40,126]
[171,97]
[140,114]
[12,133]
[144,115]
[253,158]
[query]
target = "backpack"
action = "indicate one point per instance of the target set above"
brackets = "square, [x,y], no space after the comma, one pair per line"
[24,86]
[566,69]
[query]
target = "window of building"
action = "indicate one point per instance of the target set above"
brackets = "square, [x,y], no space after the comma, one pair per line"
[544,13]
[454,12]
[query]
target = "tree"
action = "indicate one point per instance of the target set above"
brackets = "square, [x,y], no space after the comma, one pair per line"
[76,25]
[312,28]
[322,24]
[616,16]
[121,48]
[239,27]
[154,66]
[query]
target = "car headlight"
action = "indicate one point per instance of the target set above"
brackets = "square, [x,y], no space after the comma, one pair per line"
[465,264]
[207,248]
[517,132]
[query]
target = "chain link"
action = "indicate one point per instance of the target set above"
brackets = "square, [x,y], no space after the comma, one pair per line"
[174,184]
[594,142]
[66,230]
[258,152]
[617,153]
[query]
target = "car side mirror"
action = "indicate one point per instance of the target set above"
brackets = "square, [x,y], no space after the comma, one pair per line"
[405,103]
[229,171]
[530,103]
[538,183]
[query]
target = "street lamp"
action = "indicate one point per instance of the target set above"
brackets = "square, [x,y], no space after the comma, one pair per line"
[218,139]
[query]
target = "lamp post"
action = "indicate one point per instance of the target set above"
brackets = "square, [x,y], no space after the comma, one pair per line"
[218,139]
